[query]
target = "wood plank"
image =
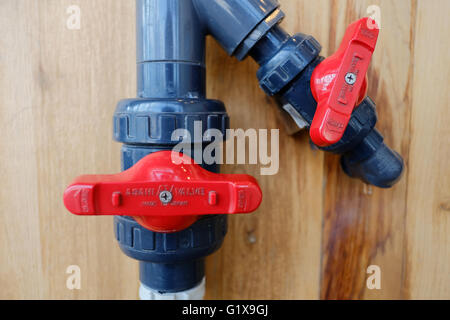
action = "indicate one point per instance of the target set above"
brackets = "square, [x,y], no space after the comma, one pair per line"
[275,252]
[62,96]
[364,226]
[86,72]
[20,248]
[428,218]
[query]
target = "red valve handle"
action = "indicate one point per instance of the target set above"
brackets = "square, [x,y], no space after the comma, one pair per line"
[161,195]
[339,83]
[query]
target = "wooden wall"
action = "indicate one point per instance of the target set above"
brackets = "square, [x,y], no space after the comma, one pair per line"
[317,230]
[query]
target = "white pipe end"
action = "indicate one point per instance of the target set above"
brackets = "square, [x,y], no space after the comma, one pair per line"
[196,293]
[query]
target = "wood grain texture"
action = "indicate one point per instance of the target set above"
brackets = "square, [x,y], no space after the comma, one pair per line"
[316,232]
[364,226]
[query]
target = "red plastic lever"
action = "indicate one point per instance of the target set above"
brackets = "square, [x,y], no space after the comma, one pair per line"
[163,196]
[339,83]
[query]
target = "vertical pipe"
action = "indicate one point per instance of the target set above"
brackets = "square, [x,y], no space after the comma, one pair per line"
[171,95]
[231,21]
[170,50]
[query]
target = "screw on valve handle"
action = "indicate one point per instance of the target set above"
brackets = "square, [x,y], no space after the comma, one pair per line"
[339,83]
[327,96]
[161,195]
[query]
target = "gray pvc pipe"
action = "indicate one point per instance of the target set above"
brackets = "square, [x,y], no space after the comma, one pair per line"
[170,50]
[171,40]
[231,21]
